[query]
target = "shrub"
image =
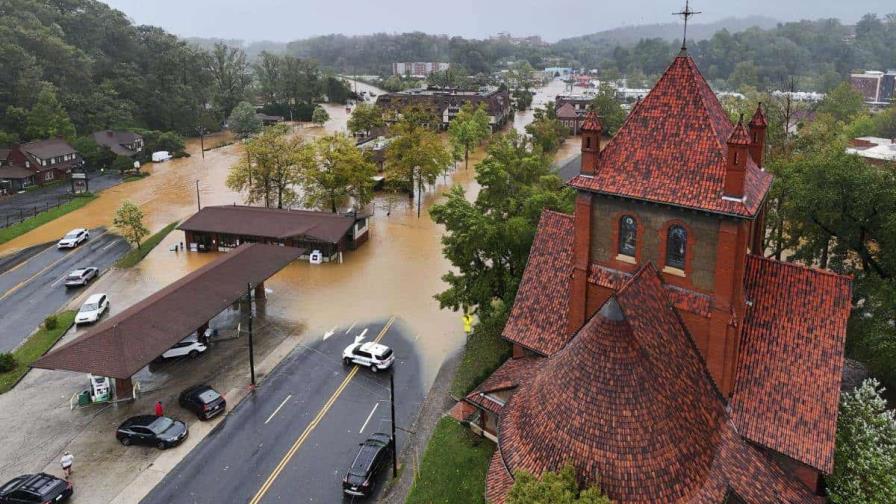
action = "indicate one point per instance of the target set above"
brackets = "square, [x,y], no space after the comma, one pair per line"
[7,362]
[51,322]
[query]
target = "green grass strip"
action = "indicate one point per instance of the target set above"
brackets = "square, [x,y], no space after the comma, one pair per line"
[136,255]
[483,354]
[34,347]
[16,230]
[453,468]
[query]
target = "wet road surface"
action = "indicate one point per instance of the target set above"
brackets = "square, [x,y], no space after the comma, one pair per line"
[32,287]
[15,207]
[294,438]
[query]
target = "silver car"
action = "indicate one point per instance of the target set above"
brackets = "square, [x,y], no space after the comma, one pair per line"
[81,277]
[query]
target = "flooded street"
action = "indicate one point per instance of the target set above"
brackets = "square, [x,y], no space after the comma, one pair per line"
[396,273]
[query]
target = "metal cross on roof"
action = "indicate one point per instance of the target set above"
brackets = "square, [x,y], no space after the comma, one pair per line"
[687,13]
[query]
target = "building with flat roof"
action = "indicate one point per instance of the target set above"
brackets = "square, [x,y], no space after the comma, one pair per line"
[225,227]
[875,86]
[419,68]
[445,103]
[875,150]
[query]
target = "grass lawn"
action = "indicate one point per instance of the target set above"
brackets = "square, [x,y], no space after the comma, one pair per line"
[453,468]
[134,177]
[136,255]
[483,354]
[40,219]
[34,347]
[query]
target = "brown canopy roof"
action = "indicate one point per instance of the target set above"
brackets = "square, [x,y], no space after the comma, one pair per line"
[567,111]
[121,345]
[274,223]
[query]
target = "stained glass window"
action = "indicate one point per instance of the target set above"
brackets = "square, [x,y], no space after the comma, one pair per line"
[676,247]
[628,235]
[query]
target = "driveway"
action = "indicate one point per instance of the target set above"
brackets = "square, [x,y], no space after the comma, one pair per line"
[293,439]
[31,281]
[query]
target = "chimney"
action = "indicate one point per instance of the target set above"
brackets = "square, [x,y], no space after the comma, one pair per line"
[739,144]
[591,131]
[758,126]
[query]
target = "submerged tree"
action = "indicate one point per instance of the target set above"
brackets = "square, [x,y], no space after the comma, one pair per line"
[608,109]
[270,170]
[334,171]
[129,221]
[365,118]
[319,116]
[244,121]
[416,156]
[468,128]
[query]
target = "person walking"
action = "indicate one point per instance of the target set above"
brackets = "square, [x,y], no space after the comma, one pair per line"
[159,410]
[67,461]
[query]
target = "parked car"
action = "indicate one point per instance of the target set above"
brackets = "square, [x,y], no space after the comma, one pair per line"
[373,355]
[92,309]
[190,347]
[203,400]
[151,430]
[81,277]
[40,487]
[74,238]
[375,453]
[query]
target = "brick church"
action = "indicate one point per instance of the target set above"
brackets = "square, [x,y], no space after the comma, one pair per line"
[654,347]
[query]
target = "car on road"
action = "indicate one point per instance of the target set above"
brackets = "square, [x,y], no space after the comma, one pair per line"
[188,347]
[81,277]
[92,309]
[376,356]
[36,488]
[151,430]
[375,454]
[203,400]
[74,238]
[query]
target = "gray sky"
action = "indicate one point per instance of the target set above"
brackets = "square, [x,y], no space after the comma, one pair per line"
[284,20]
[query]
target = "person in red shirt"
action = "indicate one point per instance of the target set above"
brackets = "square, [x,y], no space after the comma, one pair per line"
[159,410]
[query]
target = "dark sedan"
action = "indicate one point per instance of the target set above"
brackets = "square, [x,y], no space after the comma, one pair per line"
[35,488]
[375,453]
[159,431]
[203,400]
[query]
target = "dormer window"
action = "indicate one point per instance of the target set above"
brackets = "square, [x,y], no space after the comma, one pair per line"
[676,247]
[628,236]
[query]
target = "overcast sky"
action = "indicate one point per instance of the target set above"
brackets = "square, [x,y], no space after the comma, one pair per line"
[284,20]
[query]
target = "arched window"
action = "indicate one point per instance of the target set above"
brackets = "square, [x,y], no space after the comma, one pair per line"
[628,235]
[676,246]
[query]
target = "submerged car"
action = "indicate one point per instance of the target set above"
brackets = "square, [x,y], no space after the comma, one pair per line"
[81,277]
[74,238]
[373,355]
[159,431]
[92,309]
[374,454]
[40,487]
[203,400]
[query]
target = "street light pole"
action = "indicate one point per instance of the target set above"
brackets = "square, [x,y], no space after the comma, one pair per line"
[202,141]
[392,405]
[251,348]
[198,202]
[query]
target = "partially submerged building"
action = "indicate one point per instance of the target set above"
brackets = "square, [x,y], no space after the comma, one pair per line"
[223,228]
[445,104]
[655,348]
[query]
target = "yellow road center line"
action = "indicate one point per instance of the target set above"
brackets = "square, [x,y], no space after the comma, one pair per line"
[311,426]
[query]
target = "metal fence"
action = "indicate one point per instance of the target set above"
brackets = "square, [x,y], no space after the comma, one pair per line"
[12,216]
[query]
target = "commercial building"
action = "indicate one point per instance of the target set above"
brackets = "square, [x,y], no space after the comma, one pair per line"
[418,68]
[224,228]
[876,87]
[655,348]
[444,104]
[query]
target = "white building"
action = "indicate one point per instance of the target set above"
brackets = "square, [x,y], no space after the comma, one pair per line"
[418,68]
[874,149]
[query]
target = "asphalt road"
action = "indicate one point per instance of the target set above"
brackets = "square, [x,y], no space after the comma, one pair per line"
[31,282]
[294,438]
[16,206]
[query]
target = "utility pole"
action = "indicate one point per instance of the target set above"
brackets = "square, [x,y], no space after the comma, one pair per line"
[202,141]
[251,348]
[198,202]
[392,405]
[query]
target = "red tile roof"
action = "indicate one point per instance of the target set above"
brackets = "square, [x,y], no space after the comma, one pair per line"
[538,317]
[739,135]
[591,123]
[791,360]
[758,118]
[672,150]
[509,376]
[630,404]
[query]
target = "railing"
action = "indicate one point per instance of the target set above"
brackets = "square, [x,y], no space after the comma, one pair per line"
[21,214]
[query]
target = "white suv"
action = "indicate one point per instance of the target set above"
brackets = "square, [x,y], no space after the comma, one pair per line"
[189,347]
[373,355]
[74,238]
[92,309]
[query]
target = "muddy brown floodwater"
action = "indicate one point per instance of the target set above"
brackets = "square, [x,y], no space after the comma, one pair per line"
[396,272]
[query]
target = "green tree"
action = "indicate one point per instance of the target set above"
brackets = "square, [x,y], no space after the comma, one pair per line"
[865,458]
[244,121]
[468,128]
[95,156]
[416,156]
[843,103]
[271,169]
[488,241]
[129,221]
[230,76]
[553,488]
[334,173]
[122,164]
[319,116]
[546,130]
[48,119]
[608,109]
[365,118]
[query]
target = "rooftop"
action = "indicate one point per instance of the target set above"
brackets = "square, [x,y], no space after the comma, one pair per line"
[273,223]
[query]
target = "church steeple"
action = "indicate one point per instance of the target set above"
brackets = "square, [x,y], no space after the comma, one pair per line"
[739,144]
[591,131]
[758,126]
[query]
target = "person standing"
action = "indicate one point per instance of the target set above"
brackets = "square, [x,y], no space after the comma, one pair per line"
[159,410]
[67,461]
